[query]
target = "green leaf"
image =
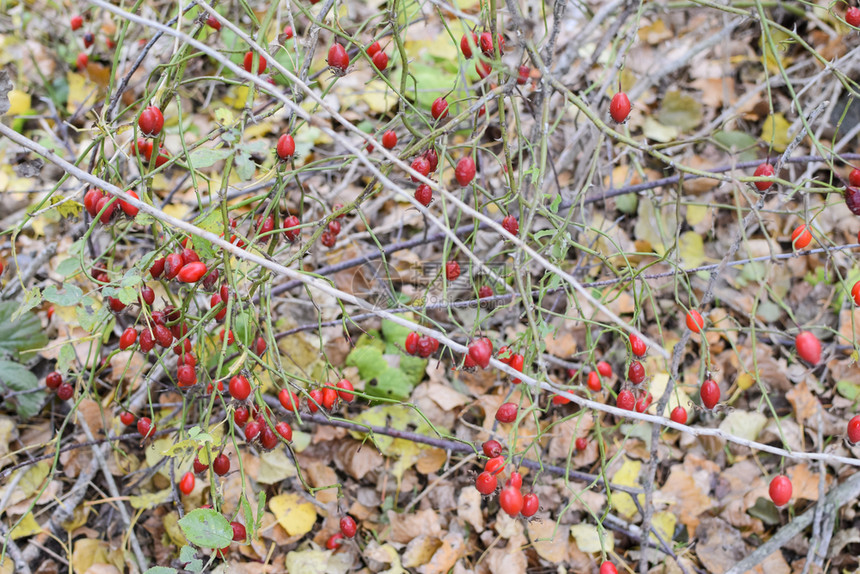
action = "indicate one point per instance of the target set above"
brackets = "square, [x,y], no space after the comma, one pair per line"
[369,361]
[68,267]
[735,141]
[19,378]
[681,111]
[394,332]
[71,295]
[131,278]
[206,528]
[390,384]
[197,434]
[21,334]
[181,448]
[224,116]
[249,517]
[32,298]
[261,510]
[244,165]
[161,570]
[87,319]
[659,132]
[204,157]
[848,389]
[244,329]
[766,511]
[66,358]
[627,203]
[188,556]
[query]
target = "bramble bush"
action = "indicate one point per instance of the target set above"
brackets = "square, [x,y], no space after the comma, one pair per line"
[337,286]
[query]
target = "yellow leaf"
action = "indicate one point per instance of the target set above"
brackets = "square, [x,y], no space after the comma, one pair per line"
[440,47]
[377,95]
[696,214]
[744,424]
[627,475]
[19,103]
[224,116]
[678,397]
[174,532]
[588,538]
[255,131]
[655,33]
[745,381]
[658,132]
[392,416]
[664,523]
[87,552]
[275,467]
[176,209]
[407,453]
[78,519]
[68,209]
[34,477]
[775,132]
[294,514]
[181,447]
[691,248]
[238,97]
[82,94]
[782,42]
[27,527]
[150,499]
[318,561]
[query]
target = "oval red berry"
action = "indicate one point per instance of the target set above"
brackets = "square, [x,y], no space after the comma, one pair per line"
[507,413]
[808,347]
[619,107]
[780,490]
[192,272]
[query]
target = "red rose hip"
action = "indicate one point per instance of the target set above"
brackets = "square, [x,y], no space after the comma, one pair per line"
[619,107]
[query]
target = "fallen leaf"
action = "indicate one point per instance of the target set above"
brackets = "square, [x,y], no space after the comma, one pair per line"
[627,475]
[294,514]
[405,527]
[549,542]
[589,540]
[805,404]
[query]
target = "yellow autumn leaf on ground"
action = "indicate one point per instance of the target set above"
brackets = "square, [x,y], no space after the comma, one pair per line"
[691,248]
[19,103]
[664,523]
[440,47]
[316,561]
[744,424]
[27,527]
[587,538]
[677,398]
[174,532]
[82,94]
[696,214]
[150,499]
[627,475]
[376,94]
[294,513]
[88,552]
[774,131]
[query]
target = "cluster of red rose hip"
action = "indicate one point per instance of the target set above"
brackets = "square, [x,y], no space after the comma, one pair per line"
[89,39]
